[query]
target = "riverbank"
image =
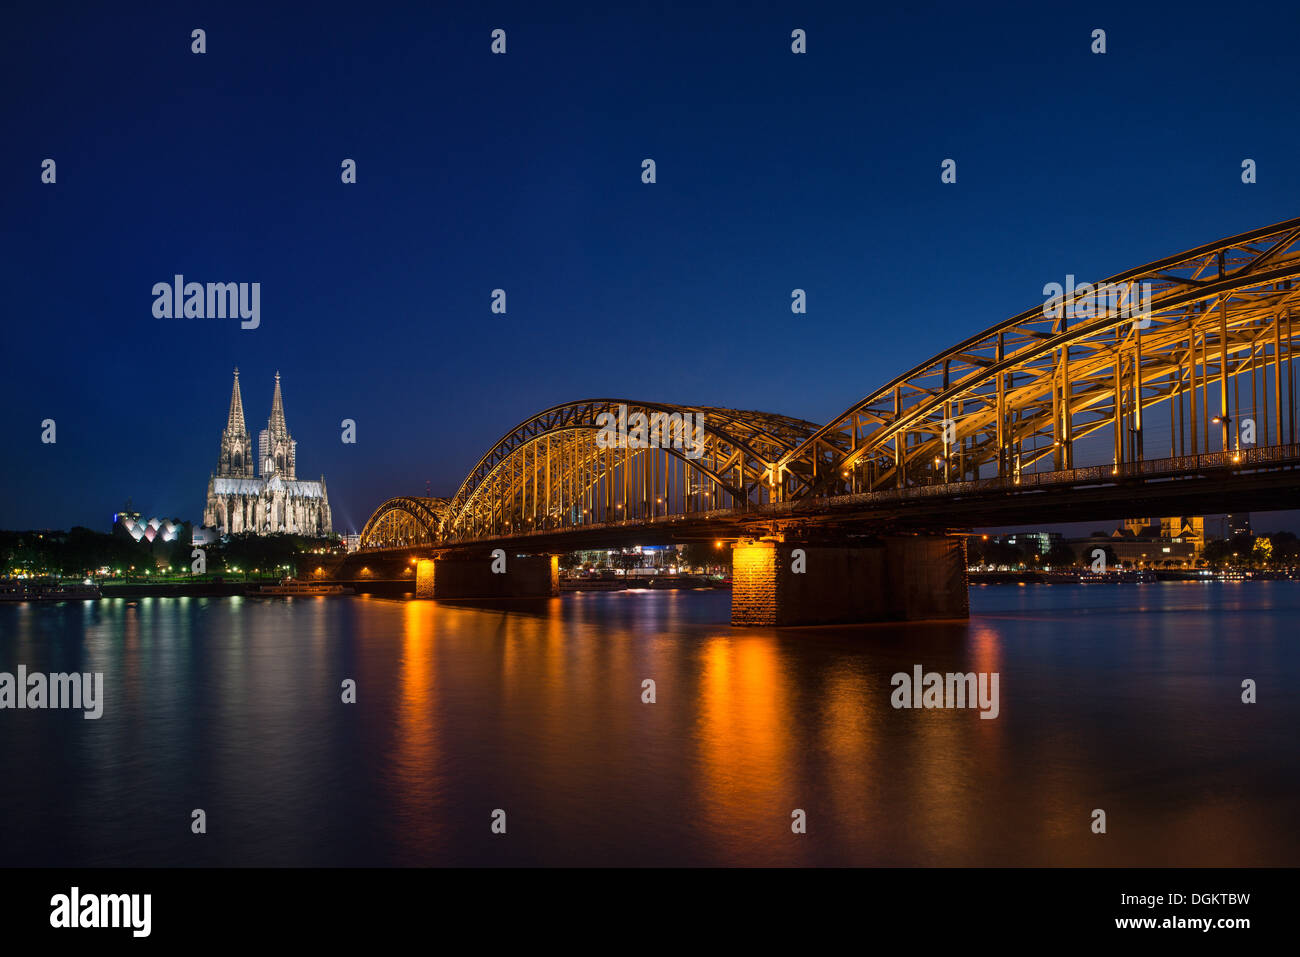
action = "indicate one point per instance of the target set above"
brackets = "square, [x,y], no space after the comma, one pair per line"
[1120,577]
[383,589]
[406,588]
[654,582]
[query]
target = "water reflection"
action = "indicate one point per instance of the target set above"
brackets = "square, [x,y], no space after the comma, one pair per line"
[1121,698]
[416,765]
[744,743]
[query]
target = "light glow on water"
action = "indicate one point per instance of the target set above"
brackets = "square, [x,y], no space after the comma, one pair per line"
[1111,696]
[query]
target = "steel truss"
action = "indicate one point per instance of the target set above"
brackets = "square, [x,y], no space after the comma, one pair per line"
[1025,392]
[551,471]
[404,521]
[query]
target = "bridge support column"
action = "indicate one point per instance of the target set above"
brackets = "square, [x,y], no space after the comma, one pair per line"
[472,577]
[425,572]
[892,579]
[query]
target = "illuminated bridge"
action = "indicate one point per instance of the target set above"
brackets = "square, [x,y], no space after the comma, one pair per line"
[1165,389]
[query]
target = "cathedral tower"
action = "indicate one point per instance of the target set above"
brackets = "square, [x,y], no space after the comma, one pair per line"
[277,451]
[236,458]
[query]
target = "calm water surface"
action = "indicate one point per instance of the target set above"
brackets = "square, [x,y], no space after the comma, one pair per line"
[1125,698]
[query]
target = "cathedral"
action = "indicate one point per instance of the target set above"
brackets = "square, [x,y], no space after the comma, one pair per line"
[273,501]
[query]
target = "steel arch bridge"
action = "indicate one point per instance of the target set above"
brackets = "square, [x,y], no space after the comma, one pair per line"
[1060,388]
[553,471]
[1032,387]
[405,521]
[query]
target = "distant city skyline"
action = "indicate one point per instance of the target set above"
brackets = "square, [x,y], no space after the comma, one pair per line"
[1215,525]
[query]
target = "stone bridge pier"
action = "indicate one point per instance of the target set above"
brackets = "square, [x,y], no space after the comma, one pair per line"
[897,578]
[475,575]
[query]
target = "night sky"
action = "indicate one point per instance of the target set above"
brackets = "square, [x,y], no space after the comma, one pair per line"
[523,172]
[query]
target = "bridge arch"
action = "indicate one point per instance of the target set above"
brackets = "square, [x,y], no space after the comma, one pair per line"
[1028,390]
[404,521]
[551,471]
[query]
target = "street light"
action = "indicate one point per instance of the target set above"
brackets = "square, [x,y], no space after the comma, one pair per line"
[1226,422]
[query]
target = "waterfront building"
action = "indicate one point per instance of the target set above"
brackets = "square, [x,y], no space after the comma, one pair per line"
[1039,542]
[1140,526]
[1137,546]
[1185,528]
[1176,529]
[154,529]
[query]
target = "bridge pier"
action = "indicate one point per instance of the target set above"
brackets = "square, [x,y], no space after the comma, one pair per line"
[472,577]
[899,578]
[424,578]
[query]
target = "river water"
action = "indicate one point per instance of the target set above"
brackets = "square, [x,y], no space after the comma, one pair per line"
[1123,698]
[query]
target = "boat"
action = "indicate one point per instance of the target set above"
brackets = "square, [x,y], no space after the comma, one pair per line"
[35,589]
[592,584]
[305,589]
[679,581]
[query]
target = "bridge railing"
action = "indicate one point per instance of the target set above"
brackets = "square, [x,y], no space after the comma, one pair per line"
[1243,460]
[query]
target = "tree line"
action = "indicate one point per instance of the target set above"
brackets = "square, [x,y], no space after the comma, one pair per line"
[1276,550]
[82,552]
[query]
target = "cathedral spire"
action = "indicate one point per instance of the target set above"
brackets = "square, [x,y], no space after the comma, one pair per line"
[235,420]
[276,447]
[277,424]
[236,457]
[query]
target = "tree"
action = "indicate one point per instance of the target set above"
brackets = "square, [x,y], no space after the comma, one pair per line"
[626,560]
[1109,559]
[1216,552]
[1060,555]
[1286,549]
[706,555]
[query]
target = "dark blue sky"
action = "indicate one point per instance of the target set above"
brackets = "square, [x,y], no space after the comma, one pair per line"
[522,171]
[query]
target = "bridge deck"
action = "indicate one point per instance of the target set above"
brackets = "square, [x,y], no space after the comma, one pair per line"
[1253,480]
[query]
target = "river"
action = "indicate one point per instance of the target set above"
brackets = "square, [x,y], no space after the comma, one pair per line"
[1123,698]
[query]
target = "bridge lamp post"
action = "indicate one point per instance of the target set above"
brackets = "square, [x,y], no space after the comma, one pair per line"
[1226,422]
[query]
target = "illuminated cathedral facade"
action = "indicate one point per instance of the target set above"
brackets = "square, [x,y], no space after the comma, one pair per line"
[274,500]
